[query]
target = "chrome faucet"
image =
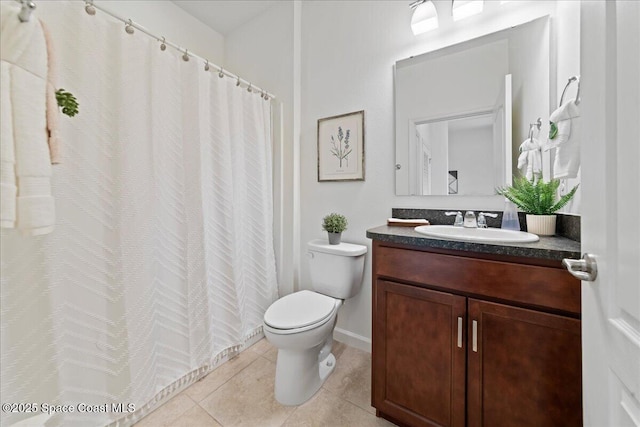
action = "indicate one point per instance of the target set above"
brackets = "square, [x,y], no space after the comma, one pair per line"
[458,221]
[470,220]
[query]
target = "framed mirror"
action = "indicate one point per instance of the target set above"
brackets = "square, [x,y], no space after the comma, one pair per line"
[461,110]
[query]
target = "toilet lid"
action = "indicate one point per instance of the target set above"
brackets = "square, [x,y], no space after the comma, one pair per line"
[299,309]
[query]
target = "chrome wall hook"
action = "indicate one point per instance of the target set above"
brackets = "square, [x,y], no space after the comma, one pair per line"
[89,7]
[25,11]
[129,27]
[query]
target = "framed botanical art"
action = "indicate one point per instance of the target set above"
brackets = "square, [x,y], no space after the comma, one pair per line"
[341,147]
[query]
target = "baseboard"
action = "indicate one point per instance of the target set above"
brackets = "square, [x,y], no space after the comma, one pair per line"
[351,339]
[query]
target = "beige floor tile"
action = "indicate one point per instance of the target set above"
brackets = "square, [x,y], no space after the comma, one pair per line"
[271,354]
[261,346]
[338,349]
[247,399]
[326,409]
[220,375]
[351,380]
[166,414]
[195,417]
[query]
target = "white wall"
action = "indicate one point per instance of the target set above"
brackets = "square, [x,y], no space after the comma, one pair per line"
[348,51]
[167,20]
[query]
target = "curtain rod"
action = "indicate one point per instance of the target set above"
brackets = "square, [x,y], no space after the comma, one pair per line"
[90,7]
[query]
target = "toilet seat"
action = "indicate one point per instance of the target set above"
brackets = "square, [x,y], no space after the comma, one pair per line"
[300,310]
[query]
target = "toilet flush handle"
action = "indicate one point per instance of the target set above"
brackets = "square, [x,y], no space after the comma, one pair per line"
[310,255]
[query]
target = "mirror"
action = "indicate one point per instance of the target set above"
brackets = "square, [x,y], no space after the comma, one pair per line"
[461,110]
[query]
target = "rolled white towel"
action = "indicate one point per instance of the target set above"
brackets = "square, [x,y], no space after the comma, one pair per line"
[8,188]
[530,159]
[24,86]
[566,141]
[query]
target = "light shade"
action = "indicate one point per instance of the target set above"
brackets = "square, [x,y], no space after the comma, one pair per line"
[425,18]
[466,8]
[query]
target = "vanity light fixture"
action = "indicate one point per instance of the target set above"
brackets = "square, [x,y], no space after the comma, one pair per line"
[424,18]
[465,8]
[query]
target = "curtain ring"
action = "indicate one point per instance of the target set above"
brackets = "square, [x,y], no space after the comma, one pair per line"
[249,89]
[266,96]
[221,72]
[163,45]
[89,7]
[206,66]
[262,94]
[129,27]
[238,82]
[185,57]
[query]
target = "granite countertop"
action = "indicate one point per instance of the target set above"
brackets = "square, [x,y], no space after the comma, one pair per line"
[551,248]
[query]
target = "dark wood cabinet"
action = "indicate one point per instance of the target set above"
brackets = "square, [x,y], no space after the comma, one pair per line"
[524,369]
[419,343]
[466,340]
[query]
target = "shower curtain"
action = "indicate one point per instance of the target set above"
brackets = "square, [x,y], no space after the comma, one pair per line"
[162,258]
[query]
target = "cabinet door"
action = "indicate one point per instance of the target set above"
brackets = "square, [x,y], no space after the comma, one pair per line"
[524,367]
[419,355]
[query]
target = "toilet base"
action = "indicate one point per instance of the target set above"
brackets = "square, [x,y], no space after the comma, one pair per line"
[299,376]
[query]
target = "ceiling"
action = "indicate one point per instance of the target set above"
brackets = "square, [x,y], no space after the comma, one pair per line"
[225,15]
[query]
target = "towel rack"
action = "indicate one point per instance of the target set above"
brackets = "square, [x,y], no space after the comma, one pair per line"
[571,80]
[536,124]
[26,7]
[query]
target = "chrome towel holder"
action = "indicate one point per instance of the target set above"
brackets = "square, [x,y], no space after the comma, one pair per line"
[571,80]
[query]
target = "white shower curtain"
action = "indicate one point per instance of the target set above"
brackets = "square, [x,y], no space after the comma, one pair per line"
[162,257]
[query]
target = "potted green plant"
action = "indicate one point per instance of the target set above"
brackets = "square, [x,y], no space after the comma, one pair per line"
[539,201]
[334,224]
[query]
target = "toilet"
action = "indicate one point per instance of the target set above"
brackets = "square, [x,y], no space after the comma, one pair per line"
[301,324]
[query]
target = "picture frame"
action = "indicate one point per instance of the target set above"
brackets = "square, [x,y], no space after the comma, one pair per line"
[453,182]
[341,147]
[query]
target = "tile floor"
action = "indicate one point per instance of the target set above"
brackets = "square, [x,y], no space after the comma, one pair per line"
[240,393]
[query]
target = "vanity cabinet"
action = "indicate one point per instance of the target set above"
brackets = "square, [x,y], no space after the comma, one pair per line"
[466,339]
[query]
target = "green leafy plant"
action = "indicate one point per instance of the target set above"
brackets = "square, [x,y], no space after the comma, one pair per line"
[536,198]
[334,223]
[68,102]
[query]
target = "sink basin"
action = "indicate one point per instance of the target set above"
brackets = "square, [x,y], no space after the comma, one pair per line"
[486,235]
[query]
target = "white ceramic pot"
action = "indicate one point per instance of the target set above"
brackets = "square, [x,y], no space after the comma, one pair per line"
[542,225]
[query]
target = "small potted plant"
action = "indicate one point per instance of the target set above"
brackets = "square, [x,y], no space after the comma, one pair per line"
[538,201]
[334,224]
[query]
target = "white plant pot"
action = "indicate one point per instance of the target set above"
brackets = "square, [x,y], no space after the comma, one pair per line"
[542,225]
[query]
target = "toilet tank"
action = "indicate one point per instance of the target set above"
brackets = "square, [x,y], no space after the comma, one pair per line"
[336,270]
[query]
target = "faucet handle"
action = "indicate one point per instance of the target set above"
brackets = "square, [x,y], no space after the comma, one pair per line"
[482,221]
[458,221]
